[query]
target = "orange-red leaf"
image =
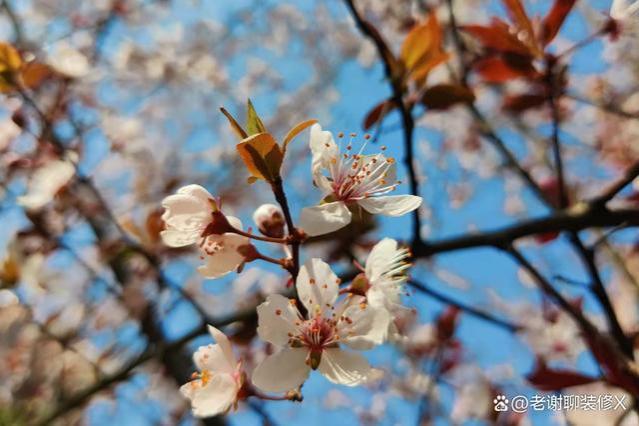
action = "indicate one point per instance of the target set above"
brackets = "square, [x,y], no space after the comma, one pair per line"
[523,102]
[33,74]
[497,37]
[421,50]
[10,63]
[378,112]
[551,379]
[554,20]
[524,27]
[262,156]
[496,69]
[443,96]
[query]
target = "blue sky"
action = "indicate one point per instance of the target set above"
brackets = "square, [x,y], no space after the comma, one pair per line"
[486,345]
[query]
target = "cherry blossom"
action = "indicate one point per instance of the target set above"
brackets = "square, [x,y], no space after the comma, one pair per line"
[353,179]
[215,388]
[315,342]
[187,216]
[45,183]
[385,271]
[624,9]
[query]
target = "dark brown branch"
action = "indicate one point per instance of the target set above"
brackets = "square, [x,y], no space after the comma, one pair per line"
[404,108]
[280,197]
[153,352]
[615,188]
[556,222]
[470,310]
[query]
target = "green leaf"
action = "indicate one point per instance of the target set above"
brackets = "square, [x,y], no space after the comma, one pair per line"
[239,131]
[253,123]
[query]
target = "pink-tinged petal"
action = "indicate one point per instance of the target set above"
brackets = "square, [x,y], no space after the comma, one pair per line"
[235,222]
[225,260]
[368,326]
[215,397]
[212,358]
[282,371]
[345,367]
[391,205]
[380,257]
[185,213]
[276,319]
[198,192]
[224,344]
[317,285]
[322,146]
[177,238]
[325,218]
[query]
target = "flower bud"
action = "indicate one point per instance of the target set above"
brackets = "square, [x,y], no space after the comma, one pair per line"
[270,220]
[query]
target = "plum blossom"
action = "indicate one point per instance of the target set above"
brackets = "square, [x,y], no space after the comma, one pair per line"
[69,61]
[215,388]
[315,342]
[385,271]
[45,183]
[353,179]
[624,9]
[626,12]
[188,215]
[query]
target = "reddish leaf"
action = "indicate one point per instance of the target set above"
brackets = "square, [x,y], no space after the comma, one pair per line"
[497,69]
[524,27]
[549,379]
[378,112]
[447,322]
[554,20]
[497,37]
[546,237]
[521,103]
[443,96]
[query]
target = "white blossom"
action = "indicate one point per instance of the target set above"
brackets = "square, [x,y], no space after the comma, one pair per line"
[187,216]
[315,342]
[215,389]
[45,183]
[353,179]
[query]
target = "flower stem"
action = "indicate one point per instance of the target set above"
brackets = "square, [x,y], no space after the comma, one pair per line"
[261,238]
[294,237]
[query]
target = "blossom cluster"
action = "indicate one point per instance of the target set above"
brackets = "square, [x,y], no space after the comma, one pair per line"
[326,321]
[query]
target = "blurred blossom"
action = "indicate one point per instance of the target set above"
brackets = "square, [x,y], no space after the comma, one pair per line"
[45,183]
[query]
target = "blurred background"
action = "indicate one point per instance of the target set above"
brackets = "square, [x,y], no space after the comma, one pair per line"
[119,107]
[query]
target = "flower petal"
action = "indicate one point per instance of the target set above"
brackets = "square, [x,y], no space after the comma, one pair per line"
[226,259]
[177,238]
[345,367]
[317,285]
[391,205]
[276,318]
[217,396]
[368,326]
[198,192]
[322,146]
[282,371]
[212,358]
[380,257]
[324,218]
[224,344]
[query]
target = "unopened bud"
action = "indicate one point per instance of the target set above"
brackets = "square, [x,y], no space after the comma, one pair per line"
[270,220]
[360,284]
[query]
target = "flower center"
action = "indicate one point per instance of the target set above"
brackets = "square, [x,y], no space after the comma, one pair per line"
[211,245]
[357,176]
[315,334]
